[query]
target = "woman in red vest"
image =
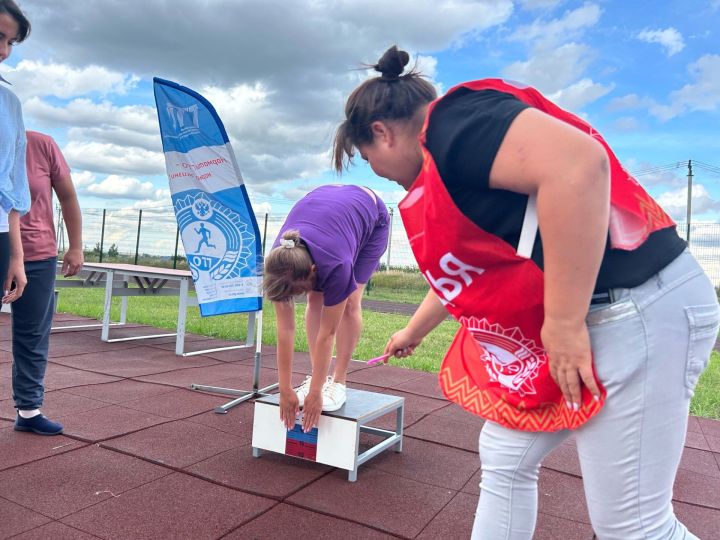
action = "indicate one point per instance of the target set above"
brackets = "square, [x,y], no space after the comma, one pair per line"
[580,307]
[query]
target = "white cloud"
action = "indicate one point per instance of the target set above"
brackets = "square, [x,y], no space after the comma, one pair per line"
[113,159]
[675,202]
[579,94]
[117,136]
[557,63]
[571,24]
[391,197]
[292,42]
[628,102]
[540,4]
[298,192]
[551,70]
[160,205]
[280,104]
[673,179]
[669,38]
[261,209]
[82,179]
[35,78]
[703,94]
[86,120]
[87,113]
[123,187]
[626,124]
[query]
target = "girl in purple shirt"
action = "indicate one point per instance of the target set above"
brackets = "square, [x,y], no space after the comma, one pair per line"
[328,247]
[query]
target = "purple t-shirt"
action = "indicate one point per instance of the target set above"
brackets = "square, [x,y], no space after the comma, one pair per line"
[337,222]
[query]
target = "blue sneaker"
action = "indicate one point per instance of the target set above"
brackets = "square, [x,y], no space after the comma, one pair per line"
[38,424]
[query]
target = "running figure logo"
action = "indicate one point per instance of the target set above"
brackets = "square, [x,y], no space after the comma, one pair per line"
[206,234]
[225,243]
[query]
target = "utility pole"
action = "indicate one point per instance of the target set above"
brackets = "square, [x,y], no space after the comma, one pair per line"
[689,200]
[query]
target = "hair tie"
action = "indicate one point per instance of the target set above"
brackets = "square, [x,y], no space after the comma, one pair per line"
[287,243]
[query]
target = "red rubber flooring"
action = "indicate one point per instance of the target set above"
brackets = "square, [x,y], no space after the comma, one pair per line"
[143,456]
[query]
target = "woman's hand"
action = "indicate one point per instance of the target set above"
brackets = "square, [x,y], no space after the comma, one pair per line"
[570,359]
[402,343]
[312,409]
[16,275]
[289,407]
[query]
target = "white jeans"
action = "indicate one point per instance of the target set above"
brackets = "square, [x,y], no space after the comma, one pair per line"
[649,348]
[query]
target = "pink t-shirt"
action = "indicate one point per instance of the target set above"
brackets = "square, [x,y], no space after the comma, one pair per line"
[46,167]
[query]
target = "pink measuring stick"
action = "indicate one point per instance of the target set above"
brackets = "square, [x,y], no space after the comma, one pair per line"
[378,359]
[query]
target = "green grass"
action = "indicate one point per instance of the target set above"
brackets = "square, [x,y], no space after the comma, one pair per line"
[397,286]
[706,401]
[161,312]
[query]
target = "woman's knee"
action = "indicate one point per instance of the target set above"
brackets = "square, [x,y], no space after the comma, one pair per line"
[510,452]
[503,455]
[353,307]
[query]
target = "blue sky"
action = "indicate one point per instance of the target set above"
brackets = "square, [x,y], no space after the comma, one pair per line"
[645,74]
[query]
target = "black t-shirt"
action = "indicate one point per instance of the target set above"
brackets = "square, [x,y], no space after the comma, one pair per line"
[464,134]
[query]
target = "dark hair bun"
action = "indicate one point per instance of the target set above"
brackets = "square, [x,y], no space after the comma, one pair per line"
[392,63]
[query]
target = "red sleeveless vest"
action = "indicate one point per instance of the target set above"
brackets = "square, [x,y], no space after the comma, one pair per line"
[496,366]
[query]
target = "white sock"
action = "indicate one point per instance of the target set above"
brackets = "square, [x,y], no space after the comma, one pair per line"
[29,414]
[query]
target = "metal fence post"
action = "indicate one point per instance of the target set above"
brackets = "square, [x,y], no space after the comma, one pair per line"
[390,231]
[177,239]
[102,234]
[689,200]
[264,233]
[137,243]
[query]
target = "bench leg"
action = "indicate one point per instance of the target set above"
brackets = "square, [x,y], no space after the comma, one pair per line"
[109,278]
[182,315]
[399,428]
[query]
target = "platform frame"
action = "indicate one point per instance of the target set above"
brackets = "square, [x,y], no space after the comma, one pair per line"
[390,438]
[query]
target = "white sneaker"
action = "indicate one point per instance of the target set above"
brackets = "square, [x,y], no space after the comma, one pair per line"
[303,390]
[334,395]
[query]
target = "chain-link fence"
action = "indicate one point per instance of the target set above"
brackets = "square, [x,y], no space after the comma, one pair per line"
[150,237]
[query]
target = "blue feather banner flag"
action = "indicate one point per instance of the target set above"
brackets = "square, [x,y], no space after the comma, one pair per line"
[217,224]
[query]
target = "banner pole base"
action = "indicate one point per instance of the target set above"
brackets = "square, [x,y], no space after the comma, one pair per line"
[244,394]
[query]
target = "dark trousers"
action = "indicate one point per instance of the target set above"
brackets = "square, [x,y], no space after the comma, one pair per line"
[4,258]
[32,317]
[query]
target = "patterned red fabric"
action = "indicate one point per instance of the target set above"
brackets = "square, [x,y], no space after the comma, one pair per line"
[496,367]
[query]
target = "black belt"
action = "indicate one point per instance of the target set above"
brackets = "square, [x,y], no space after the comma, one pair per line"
[602,297]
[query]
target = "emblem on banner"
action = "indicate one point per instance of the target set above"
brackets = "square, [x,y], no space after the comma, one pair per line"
[510,359]
[185,120]
[220,241]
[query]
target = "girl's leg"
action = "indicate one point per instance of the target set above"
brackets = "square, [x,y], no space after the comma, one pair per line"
[313,311]
[348,333]
[510,461]
[649,360]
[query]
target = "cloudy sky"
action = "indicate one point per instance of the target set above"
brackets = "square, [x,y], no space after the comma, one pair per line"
[645,73]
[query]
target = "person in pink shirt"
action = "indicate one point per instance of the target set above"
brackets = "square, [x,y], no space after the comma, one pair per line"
[32,313]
